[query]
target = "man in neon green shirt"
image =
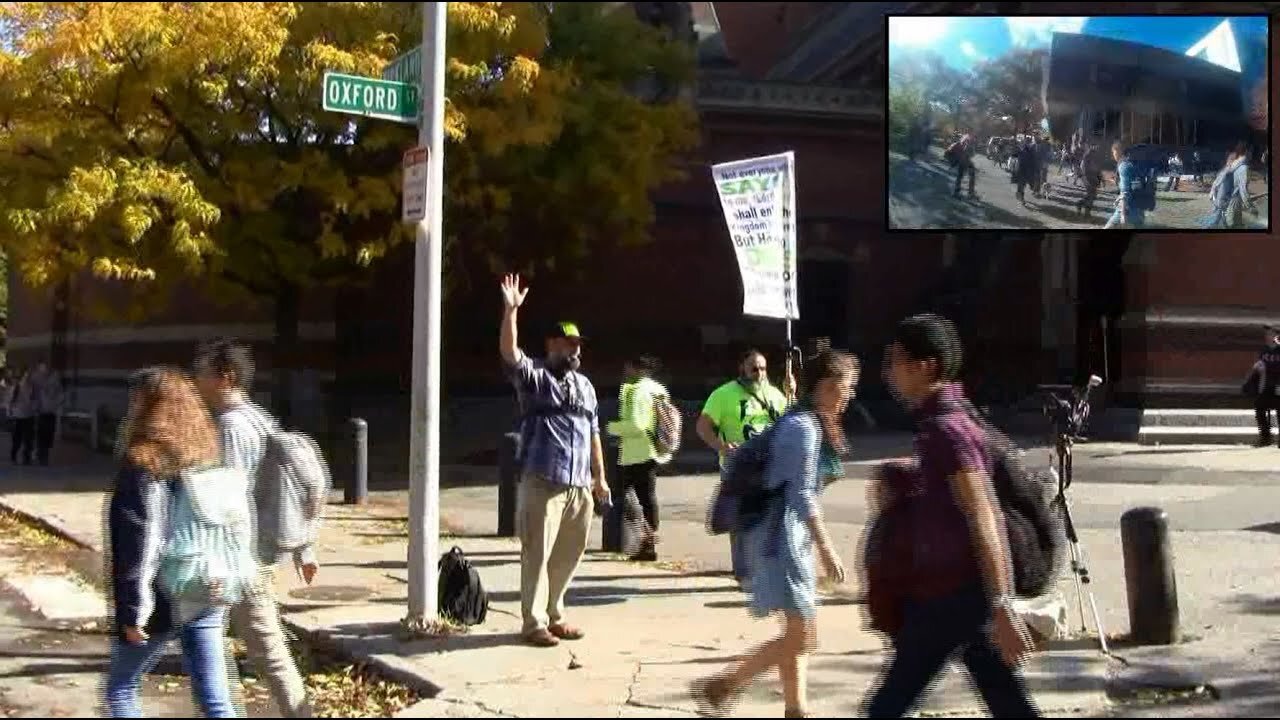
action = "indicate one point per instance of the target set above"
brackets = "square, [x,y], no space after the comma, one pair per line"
[735,412]
[638,457]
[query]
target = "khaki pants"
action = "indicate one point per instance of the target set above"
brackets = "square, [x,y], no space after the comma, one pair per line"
[554,522]
[256,621]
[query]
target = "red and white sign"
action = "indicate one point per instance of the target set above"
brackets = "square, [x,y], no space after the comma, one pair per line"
[415,184]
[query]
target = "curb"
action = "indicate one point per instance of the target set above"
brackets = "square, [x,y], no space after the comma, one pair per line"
[390,671]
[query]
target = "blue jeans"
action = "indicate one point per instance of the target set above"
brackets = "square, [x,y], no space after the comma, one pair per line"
[1137,219]
[203,655]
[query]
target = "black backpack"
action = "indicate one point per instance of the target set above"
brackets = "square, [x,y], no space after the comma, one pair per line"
[742,500]
[462,596]
[1035,533]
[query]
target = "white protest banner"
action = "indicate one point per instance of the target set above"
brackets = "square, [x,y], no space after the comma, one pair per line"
[759,200]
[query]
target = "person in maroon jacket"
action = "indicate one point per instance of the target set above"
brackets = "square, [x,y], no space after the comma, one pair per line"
[959,583]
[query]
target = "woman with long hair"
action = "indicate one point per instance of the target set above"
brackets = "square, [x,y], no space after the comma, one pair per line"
[804,448]
[167,431]
[1229,194]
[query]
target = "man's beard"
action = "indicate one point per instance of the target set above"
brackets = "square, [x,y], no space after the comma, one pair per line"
[564,364]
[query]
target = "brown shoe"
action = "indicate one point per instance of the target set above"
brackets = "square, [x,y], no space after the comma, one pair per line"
[541,638]
[565,632]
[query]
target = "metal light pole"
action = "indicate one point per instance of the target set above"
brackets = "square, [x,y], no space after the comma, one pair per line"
[424,438]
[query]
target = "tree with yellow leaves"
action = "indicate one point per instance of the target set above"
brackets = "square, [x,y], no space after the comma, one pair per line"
[152,142]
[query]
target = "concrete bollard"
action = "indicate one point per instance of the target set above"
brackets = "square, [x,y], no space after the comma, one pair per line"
[508,484]
[356,490]
[1149,576]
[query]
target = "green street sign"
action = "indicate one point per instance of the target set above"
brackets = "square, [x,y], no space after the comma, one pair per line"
[371,97]
[406,69]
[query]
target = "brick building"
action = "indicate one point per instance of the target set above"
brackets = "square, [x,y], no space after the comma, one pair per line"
[1175,314]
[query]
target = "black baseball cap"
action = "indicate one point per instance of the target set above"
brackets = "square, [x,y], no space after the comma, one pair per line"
[565,330]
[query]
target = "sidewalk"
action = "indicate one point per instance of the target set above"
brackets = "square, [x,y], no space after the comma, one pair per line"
[651,632]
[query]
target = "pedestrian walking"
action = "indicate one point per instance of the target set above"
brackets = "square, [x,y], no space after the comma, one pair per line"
[1175,172]
[790,533]
[224,375]
[1044,157]
[734,412]
[22,408]
[1025,173]
[562,468]
[1090,170]
[1134,185]
[168,434]
[960,155]
[959,582]
[1229,194]
[1264,384]
[639,455]
[46,393]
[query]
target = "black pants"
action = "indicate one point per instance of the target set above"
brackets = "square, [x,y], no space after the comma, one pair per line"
[932,632]
[962,167]
[642,505]
[46,426]
[24,436]
[1091,183]
[1263,404]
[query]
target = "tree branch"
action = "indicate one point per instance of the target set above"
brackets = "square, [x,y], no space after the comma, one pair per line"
[244,282]
[193,143]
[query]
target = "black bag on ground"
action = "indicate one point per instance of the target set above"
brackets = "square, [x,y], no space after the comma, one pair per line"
[461,595]
[1035,534]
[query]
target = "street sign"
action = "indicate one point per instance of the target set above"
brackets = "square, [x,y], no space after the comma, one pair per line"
[371,97]
[414,199]
[406,69]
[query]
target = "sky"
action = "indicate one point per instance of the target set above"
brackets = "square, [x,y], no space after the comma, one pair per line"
[966,41]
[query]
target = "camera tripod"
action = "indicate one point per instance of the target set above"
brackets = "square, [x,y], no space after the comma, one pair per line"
[1079,565]
[1069,419]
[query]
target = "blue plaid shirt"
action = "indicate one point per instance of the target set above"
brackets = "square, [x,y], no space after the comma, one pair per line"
[560,417]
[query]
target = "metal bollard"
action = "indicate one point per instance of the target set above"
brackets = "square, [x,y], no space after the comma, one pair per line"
[611,532]
[508,484]
[1149,577]
[356,491]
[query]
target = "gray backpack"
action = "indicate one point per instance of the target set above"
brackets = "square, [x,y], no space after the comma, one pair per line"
[291,491]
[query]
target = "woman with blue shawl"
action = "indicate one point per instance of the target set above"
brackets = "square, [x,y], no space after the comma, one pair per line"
[804,451]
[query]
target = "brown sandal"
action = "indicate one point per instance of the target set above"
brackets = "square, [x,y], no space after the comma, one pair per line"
[542,638]
[565,632]
[713,696]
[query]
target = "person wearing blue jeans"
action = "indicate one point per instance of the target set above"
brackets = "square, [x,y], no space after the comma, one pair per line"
[167,430]
[1126,174]
[203,657]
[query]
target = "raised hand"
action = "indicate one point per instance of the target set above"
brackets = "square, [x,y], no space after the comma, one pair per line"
[512,295]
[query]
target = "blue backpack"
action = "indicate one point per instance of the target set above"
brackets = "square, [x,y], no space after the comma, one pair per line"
[1142,186]
[207,557]
[742,500]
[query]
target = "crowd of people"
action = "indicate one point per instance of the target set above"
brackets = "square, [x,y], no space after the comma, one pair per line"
[956,598]
[30,402]
[1082,163]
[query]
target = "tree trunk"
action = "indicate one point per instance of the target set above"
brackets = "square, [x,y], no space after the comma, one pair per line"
[285,353]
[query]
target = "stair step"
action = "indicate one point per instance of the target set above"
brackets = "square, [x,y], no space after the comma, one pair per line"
[1204,434]
[1182,417]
